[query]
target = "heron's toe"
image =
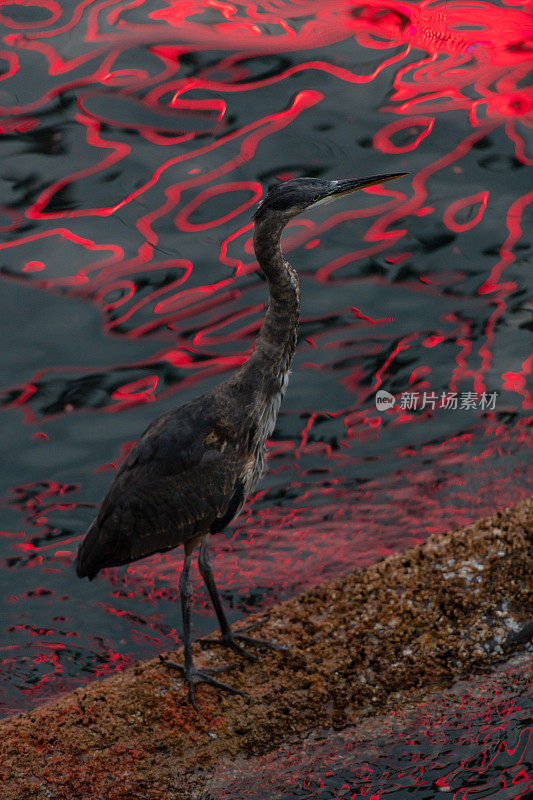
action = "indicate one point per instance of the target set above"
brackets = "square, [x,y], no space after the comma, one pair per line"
[206,670]
[260,642]
[229,641]
[195,676]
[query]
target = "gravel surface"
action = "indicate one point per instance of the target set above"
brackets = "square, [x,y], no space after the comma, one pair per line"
[358,646]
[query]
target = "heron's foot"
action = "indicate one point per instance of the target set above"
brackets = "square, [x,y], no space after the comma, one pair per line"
[260,642]
[206,671]
[241,635]
[231,639]
[194,676]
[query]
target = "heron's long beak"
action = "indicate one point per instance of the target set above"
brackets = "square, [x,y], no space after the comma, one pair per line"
[353,184]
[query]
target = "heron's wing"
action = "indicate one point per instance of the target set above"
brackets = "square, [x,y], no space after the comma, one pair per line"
[183,477]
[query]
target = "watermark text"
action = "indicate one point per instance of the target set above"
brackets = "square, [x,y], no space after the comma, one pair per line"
[449,401]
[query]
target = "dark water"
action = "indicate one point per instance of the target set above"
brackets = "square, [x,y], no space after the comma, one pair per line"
[472,742]
[137,140]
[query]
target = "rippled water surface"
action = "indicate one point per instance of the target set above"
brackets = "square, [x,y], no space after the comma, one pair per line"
[473,742]
[137,139]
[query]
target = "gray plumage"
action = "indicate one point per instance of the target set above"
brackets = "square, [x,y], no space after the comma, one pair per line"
[193,468]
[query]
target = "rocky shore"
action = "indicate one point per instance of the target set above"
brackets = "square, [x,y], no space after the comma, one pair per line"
[357,646]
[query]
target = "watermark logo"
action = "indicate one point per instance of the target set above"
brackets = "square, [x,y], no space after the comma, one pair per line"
[384,400]
[449,401]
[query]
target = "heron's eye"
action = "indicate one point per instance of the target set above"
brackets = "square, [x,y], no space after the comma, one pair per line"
[316,197]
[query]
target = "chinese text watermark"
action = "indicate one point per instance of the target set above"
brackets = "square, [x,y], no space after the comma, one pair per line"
[449,401]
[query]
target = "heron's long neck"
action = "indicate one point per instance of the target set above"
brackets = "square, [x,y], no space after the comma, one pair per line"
[277,338]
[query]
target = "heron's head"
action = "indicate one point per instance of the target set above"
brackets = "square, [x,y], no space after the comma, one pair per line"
[290,198]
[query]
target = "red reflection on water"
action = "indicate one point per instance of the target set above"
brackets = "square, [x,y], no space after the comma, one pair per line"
[143,389]
[480,199]
[182,219]
[471,742]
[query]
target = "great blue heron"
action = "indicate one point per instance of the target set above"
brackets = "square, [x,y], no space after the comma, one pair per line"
[192,469]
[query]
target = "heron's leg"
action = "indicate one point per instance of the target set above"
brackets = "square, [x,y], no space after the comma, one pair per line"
[206,571]
[185,597]
[228,637]
[193,675]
